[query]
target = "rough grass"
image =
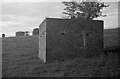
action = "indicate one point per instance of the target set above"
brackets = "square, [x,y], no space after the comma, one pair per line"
[111,37]
[20,59]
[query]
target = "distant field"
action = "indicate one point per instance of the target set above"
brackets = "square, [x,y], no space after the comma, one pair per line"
[20,59]
[111,37]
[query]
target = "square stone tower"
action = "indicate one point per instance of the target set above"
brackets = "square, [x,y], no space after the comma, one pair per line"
[61,39]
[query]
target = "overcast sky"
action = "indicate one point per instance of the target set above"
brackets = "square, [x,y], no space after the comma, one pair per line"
[25,16]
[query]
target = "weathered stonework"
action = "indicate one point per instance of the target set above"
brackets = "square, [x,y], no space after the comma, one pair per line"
[35,31]
[61,39]
[20,33]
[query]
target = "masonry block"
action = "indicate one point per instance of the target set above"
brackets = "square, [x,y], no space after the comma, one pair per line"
[61,39]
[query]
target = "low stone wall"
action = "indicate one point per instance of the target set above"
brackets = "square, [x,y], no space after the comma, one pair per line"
[20,33]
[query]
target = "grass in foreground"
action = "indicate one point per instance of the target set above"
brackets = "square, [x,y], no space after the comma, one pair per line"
[80,67]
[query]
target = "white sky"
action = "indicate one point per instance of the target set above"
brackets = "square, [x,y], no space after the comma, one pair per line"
[50,0]
[21,15]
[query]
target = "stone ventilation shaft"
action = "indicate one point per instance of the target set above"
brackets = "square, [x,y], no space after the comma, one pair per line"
[61,39]
[35,31]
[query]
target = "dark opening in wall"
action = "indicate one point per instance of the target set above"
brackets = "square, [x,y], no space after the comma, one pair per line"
[87,34]
[62,34]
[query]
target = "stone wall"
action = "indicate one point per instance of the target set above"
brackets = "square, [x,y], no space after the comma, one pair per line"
[67,39]
[35,31]
[20,33]
[42,41]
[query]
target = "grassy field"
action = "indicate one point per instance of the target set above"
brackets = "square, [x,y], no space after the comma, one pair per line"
[111,37]
[20,59]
